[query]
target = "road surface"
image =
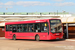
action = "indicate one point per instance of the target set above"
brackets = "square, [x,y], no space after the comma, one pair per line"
[7,44]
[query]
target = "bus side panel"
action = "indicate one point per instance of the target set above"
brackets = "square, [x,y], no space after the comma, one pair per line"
[8,35]
[29,35]
[24,35]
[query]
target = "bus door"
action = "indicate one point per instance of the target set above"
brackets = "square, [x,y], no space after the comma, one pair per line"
[42,30]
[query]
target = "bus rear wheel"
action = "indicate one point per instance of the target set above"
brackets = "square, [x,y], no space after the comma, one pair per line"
[14,37]
[37,38]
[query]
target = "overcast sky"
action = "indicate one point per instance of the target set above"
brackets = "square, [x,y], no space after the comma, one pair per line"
[37,5]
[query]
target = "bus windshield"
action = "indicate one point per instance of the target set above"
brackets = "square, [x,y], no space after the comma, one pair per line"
[56,26]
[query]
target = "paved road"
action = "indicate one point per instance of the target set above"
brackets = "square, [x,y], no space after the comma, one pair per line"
[6,44]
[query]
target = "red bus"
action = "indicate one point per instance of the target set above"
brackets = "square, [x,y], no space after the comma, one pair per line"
[46,29]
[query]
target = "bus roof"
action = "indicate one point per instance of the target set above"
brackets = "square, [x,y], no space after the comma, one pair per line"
[29,21]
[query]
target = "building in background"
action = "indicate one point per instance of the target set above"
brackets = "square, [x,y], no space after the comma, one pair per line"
[11,17]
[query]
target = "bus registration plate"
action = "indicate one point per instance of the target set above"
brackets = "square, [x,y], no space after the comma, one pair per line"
[57,38]
[57,34]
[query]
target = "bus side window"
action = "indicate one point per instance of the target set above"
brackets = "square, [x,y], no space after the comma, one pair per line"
[30,28]
[14,28]
[37,27]
[8,27]
[24,28]
[19,28]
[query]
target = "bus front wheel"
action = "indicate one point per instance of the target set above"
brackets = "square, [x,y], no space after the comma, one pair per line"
[14,37]
[37,38]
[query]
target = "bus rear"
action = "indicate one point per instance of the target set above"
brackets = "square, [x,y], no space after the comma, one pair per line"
[56,29]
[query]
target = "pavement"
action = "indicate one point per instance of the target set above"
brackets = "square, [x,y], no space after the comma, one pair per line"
[70,39]
[8,44]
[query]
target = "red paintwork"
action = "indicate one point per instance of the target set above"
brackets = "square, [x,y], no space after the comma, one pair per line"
[31,35]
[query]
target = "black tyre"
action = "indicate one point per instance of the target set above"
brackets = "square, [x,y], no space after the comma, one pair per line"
[37,38]
[14,37]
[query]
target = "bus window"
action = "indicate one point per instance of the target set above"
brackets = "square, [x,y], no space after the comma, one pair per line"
[14,28]
[8,27]
[19,28]
[37,27]
[24,28]
[44,27]
[30,28]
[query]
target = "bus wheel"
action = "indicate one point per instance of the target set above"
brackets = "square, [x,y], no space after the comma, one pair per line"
[14,37]
[37,38]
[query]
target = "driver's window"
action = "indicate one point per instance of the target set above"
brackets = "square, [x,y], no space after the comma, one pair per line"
[44,27]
